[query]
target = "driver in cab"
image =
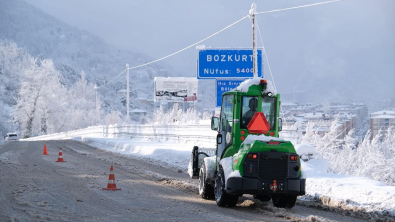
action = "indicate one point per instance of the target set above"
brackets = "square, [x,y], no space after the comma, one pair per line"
[253,106]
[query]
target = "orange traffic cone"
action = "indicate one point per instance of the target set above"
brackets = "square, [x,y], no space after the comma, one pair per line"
[111,181]
[60,158]
[45,150]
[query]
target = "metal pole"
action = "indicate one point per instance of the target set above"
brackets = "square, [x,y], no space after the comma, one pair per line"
[97,115]
[127,92]
[254,51]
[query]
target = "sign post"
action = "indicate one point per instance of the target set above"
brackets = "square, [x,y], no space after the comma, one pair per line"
[252,14]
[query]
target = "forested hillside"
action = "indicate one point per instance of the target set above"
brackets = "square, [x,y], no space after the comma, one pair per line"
[35,45]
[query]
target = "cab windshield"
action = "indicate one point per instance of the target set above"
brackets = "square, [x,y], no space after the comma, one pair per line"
[269,109]
[250,107]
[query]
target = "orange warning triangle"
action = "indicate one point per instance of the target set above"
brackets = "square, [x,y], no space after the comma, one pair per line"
[258,124]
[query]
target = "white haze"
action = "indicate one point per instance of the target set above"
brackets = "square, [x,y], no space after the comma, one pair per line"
[342,51]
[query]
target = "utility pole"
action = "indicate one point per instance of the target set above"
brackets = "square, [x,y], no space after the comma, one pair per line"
[97,113]
[254,51]
[127,92]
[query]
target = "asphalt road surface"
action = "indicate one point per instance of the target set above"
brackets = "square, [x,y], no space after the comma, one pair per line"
[36,188]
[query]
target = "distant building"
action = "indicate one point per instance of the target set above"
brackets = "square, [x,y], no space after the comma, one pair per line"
[381,120]
[349,117]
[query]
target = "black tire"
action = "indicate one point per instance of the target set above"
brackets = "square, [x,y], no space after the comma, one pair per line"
[206,190]
[263,198]
[284,201]
[222,198]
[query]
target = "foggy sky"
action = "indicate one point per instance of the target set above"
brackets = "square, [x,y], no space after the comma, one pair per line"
[334,51]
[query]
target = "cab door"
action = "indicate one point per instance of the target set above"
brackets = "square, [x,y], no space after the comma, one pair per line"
[225,125]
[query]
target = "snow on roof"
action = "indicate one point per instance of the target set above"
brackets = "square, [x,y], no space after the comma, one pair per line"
[288,104]
[192,79]
[339,106]
[384,117]
[322,129]
[299,108]
[313,115]
[123,91]
[384,112]
[358,104]
[146,99]
[244,86]
[138,111]
[347,115]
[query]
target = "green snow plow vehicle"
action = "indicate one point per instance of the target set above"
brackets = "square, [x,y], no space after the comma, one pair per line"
[249,158]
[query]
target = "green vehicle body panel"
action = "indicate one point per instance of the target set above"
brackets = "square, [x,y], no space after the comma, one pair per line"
[238,149]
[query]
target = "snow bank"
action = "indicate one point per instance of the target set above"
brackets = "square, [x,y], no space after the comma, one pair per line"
[345,190]
[305,149]
[170,154]
[307,152]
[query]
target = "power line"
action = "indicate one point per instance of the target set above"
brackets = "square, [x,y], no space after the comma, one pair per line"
[192,44]
[302,6]
[267,60]
[112,79]
[165,57]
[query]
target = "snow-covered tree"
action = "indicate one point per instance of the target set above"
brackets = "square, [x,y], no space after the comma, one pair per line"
[13,61]
[114,117]
[82,105]
[370,158]
[39,97]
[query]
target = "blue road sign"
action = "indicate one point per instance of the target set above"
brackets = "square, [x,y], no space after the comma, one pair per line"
[227,63]
[225,86]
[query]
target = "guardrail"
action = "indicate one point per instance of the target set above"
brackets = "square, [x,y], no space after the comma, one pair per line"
[179,133]
[159,132]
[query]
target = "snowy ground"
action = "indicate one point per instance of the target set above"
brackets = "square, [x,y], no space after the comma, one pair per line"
[170,153]
[355,194]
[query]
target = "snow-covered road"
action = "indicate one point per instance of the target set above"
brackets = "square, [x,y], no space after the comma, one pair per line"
[36,188]
[358,196]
